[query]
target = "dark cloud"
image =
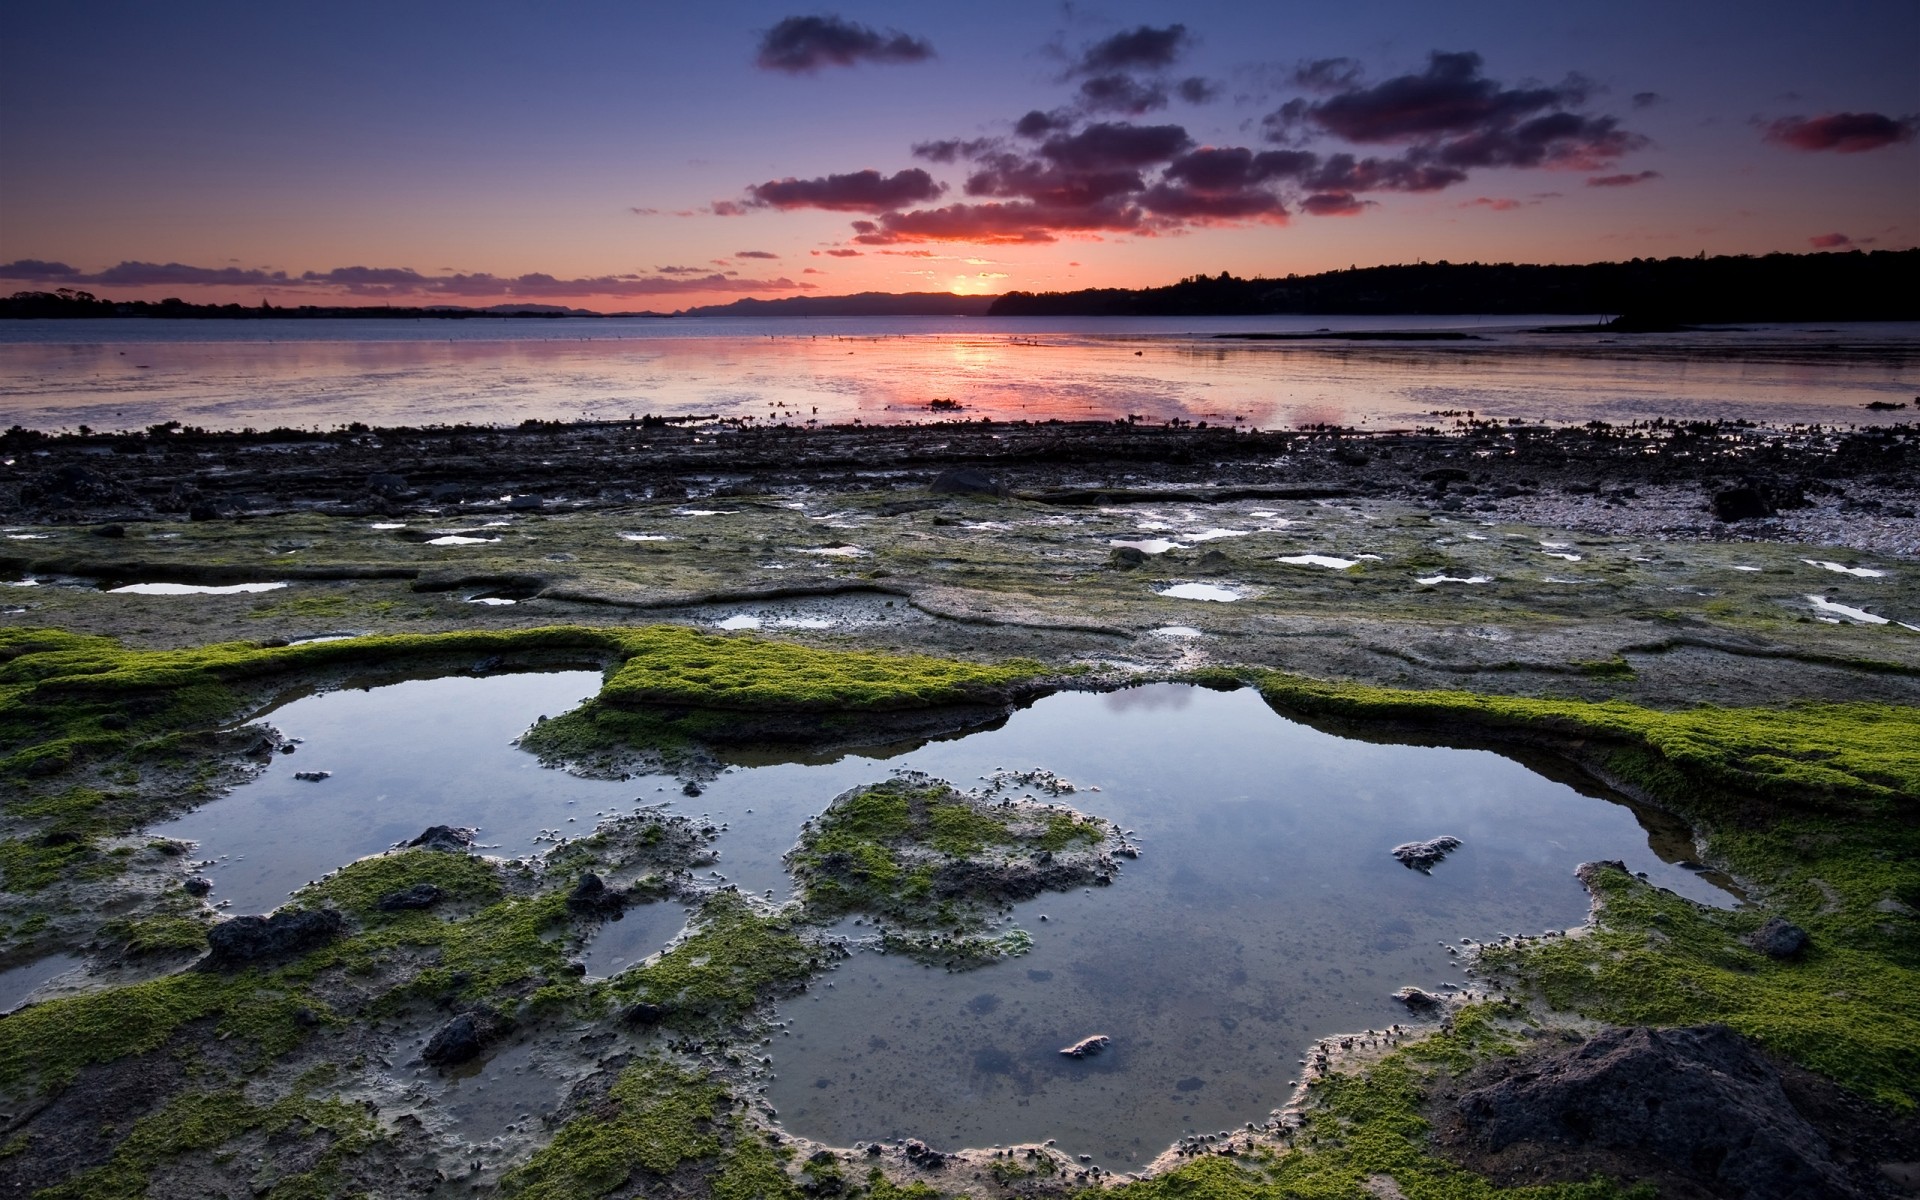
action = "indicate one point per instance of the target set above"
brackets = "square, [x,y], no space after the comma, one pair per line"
[844,253]
[1345,173]
[1010,176]
[1037,124]
[1201,206]
[1327,75]
[1626,180]
[755,254]
[1232,168]
[1334,204]
[1111,145]
[679,270]
[394,281]
[996,223]
[1121,93]
[724,208]
[951,149]
[1496,203]
[861,191]
[1843,133]
[803,44]
[644,212]
[1450,97]
[1560,139]
[1141,49]
[1198,90]
[811,271]
[1647,99]
[1829,241]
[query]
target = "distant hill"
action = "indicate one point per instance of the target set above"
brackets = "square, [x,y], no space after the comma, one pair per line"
[861,304]
[68,303]
[1648,293]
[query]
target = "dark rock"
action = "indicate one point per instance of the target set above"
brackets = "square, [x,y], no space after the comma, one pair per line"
[312,776]
[420,895]
[463,1038]
[1744,503]
[965,481]
[592,895]
[924,1156]
[690,788]
[247,941]
[873,1149]
[525,503]
[386,484]
[109,531]
[1445,475]
[1424,856]
[448,838]
[1699,1103]
[1126,558]
[1214,560]
[198,885]
[1778,938]
[644,1014]
[1087,1045]
[74,484]
[1418,1000]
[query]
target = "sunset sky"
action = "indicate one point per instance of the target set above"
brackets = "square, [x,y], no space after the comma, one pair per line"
[627,156]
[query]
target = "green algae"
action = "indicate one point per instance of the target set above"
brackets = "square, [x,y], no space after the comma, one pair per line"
[733,957]
[358,887]
[655,1117]
[208,1121]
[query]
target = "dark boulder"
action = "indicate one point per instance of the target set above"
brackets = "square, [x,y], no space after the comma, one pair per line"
[420,895]
[643,1014]
[451,839]
[198,885]
[250,941]
[1743,503]
[1126,558]
[965,481]
[463,1038]
[384,483]
[1701,1104]
[1778,938]
[592,895]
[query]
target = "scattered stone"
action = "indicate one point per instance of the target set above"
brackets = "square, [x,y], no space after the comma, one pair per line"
[1087,1045]
[1424,856]
[1418,1000]
[644,1014]
[1700,1103]
[198,885]
[965,481]
[450,839]
[420,895]
[924,1156]
[1126,558]
[592,895]
[463,1038]
[1744,503]
[1778,938]
[312,776]
[247,941]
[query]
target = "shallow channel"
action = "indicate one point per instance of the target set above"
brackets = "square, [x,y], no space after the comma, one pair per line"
[1267,910]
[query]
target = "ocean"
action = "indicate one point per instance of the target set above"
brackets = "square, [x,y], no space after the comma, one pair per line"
[129,374]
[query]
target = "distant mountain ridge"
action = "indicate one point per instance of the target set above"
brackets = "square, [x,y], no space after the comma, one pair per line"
[860,304]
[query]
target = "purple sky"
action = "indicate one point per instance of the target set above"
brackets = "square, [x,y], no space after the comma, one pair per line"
[629,156]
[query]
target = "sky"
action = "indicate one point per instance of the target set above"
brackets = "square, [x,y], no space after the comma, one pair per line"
[640,156]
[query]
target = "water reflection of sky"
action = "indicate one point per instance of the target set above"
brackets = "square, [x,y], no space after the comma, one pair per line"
[128,374]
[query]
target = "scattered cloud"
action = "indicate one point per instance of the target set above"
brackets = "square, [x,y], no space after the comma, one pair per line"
[843,253]
[1196,89]
[996,223]
[860,191]
[1842,133]
[1496,203]
[1142,49]
[1648,99]
[811,271]
[1115,145]
[1037,124]
[1334,204]
[1327,74]
[755,254]
[1829,241]
[1626,180]
[949,150]
[802,45]
[1121,93]
[644,212]
[395,282]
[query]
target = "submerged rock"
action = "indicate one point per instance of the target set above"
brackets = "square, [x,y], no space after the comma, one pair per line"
[245,941]
[1418,1000]
[312,776]
[420,895]
[1424,856]
[1087,1045]
[965,481]
[592,895]
[198,885]
[463,1038]
[1778,938]
[1700,1103]
[451,839]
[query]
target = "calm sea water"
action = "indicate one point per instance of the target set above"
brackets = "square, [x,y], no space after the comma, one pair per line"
[128,374]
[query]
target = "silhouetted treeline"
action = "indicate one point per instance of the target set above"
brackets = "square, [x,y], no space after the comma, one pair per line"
[1646,292]
[67,302]
[860,304]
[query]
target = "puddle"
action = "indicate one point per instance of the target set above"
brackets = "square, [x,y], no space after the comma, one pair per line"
[1214,535]
[490,600]
[28,582]
[388,525]
[835,551]
[1147,545]
[17,983]
[403,757]
[1435,580]
[704,512]
[1860,572]
[1176,631]
[647,537]
[642,930]
[29,537]
[321,637]
[1267,911]
[460,539]
[1739,567]
[1320,560]
[192,589]
[1822,604]
[1198,591]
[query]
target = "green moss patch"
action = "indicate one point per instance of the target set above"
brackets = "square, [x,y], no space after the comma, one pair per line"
[654,1118]
[734,957]
[358,887]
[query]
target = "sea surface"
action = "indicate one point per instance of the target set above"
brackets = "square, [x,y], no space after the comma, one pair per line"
[129,374]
